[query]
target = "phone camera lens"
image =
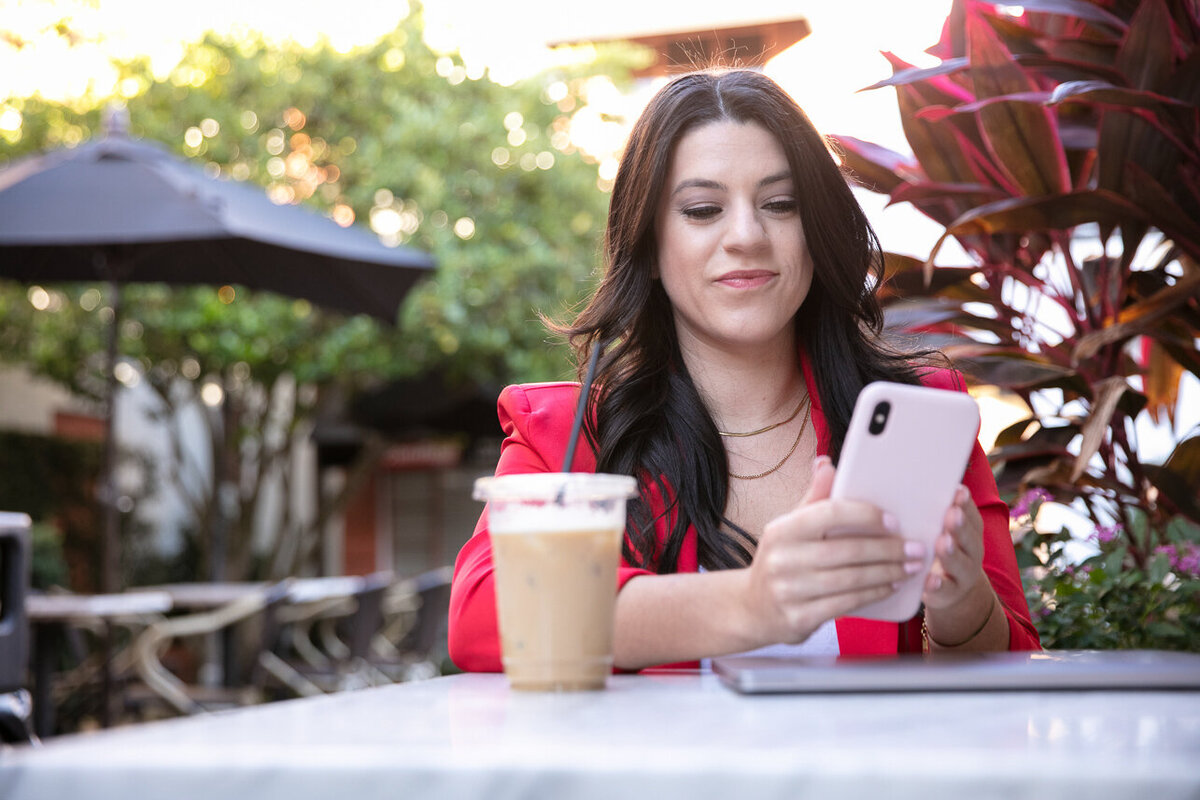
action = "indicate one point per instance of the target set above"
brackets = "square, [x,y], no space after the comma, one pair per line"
[879,417]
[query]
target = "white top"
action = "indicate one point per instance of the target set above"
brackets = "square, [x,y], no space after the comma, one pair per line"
[822,642]
[660,736]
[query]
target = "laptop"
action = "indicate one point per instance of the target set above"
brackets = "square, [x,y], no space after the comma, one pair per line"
[946,672]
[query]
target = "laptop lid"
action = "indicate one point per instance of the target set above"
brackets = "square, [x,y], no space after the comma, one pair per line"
[936,672]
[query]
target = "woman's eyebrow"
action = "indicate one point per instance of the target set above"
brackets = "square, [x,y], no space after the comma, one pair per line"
[702,183]
[705,183]
[785,175]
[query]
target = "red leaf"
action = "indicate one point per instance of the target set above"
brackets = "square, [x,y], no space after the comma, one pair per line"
[1022,137]
[1057,65]
[935,113]
[1106,393]
[1089,12]
[1140,318]
[933,89]
[1052,213]
[1162,211]
[876,167]
[913,74]
[976,193]
[1145,58]
[1107,93]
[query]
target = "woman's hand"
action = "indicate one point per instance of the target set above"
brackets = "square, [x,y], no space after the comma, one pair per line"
[960,605]
[802,576]
[958,555]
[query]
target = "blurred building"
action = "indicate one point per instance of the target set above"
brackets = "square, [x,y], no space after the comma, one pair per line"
[720,36]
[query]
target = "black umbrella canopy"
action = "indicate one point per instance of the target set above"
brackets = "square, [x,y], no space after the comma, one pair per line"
[127,211]
[130,211]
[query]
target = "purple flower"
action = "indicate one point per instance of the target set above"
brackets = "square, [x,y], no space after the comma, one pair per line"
[1184,559]
[1025,502]
[1189,561]
[1106,533]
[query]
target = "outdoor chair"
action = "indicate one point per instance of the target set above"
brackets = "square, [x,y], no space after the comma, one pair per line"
[190,699]
[412,644]
[15,702]
[326,641]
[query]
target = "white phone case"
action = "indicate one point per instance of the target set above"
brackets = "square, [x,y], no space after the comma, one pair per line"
[909,464]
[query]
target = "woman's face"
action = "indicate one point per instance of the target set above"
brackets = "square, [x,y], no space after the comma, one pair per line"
[731,251]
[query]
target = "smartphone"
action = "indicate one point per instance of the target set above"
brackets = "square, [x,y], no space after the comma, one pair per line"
[906,451]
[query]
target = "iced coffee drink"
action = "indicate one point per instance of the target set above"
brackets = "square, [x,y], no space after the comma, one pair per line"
[556,543]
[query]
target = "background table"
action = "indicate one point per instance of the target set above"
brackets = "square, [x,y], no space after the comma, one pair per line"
[654,736]
[48,613]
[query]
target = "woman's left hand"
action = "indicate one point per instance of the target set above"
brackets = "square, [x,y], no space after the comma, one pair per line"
[961,608]
[958,556]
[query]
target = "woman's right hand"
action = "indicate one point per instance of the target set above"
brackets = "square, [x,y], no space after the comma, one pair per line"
[822,560]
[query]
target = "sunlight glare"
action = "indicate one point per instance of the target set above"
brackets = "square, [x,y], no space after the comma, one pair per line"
[212,394]
[38,297]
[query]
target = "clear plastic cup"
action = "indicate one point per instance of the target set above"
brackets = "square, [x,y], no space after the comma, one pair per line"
[556,543]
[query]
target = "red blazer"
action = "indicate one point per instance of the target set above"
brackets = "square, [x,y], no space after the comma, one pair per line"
[537,421]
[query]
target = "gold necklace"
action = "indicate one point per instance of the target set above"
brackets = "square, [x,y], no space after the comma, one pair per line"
[799,406]
[782,461]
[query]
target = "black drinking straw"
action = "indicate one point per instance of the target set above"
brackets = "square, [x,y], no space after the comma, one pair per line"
[579,409]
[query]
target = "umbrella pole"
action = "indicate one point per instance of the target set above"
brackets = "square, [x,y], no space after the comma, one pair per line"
[110,574]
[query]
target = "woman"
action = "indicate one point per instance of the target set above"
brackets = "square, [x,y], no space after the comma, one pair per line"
[740,323]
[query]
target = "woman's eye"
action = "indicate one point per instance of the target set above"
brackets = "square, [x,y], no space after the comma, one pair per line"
[781,206]
[701,212]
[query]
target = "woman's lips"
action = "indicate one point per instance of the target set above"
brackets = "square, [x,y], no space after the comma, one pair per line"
[746,278]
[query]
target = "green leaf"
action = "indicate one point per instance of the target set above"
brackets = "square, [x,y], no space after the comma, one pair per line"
[1157,568]
[1113,562]
[1166,630]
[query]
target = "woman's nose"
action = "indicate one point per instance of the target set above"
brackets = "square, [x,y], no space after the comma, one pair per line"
[746,229]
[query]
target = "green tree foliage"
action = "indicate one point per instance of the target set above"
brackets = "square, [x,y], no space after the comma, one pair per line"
[481,175]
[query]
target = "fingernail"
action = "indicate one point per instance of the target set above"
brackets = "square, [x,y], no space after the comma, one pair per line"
[960,495]
[949,545]
[913,567]
[820,460]
[890,522]
[914,549]
[935,582]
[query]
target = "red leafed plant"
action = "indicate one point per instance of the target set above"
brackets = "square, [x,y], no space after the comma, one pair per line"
[1059,144]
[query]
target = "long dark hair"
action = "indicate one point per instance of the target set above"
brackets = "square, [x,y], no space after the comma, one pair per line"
[648,418]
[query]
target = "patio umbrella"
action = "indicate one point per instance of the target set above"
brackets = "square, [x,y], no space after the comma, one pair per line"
[123,210]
